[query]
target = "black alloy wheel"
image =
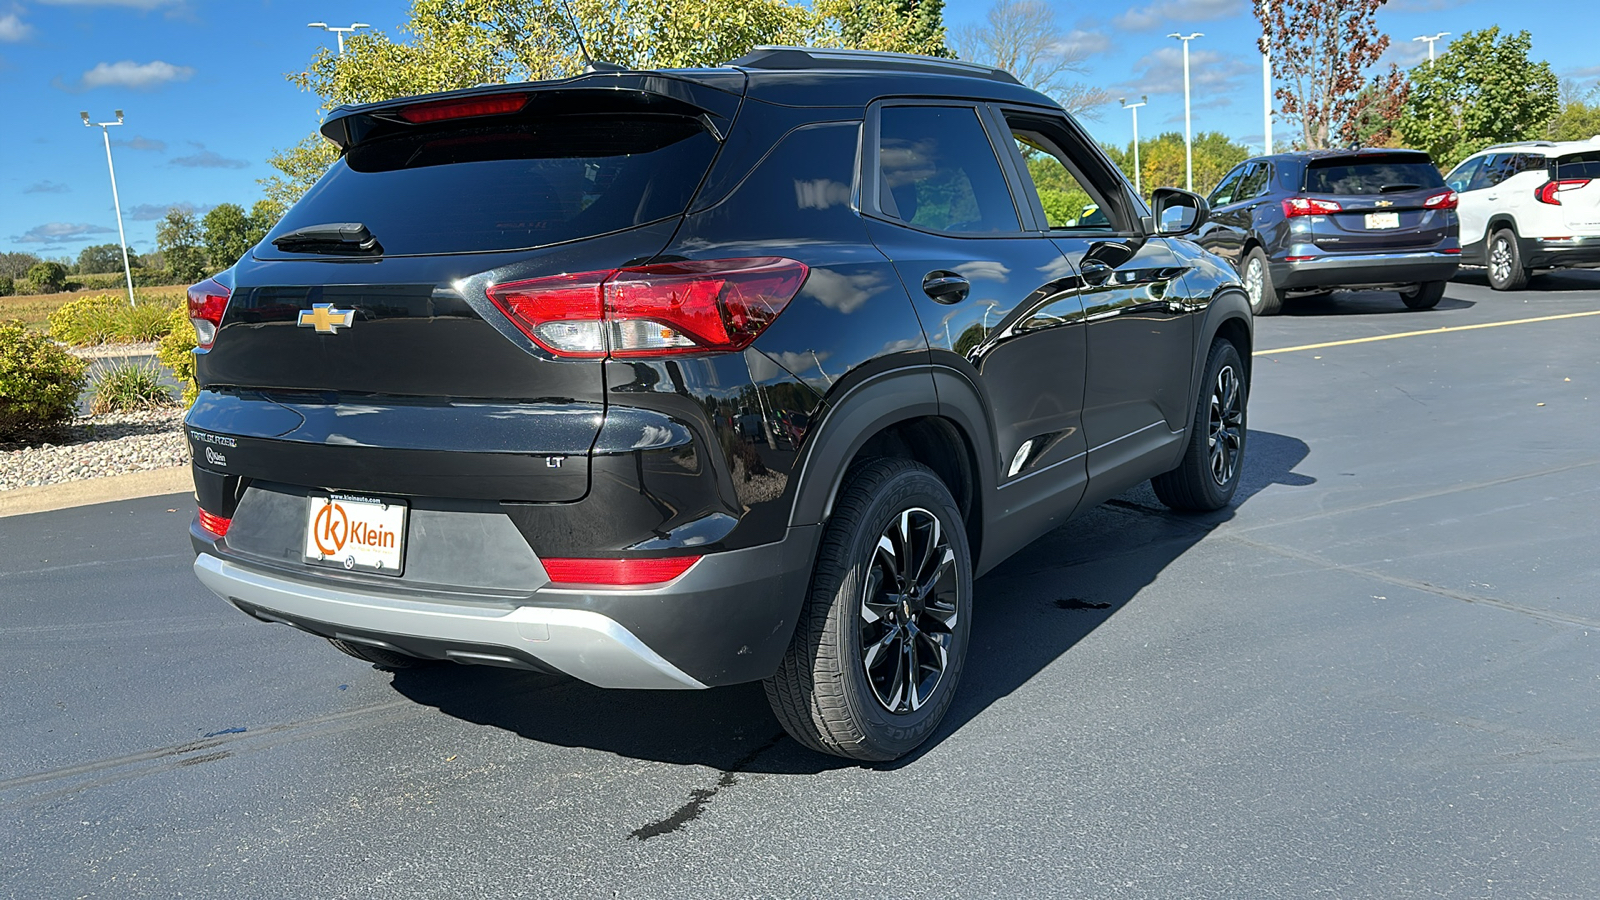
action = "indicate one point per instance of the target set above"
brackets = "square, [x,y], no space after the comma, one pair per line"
[1225,426]
[882,639]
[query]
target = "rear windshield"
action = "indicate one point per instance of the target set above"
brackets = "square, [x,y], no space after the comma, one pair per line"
[1579,165]
[511,184]
[1371,176]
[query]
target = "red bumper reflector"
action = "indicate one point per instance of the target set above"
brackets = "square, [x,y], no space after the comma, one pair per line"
[215,525]
[1454,250]
[1297,258]
[618,571]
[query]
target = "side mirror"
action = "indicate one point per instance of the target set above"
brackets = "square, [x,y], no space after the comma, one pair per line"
[1179,212]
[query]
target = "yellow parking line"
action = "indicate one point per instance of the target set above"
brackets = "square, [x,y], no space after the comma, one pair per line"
[1406,334]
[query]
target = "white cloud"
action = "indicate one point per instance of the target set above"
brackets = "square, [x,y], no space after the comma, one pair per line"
[1406,54]
[140,142]
[1163,14]
[1213,77]
[150,212]
[1082,44]
[12,28]
[209,159]
[54,232]
[47,187]
[134,75]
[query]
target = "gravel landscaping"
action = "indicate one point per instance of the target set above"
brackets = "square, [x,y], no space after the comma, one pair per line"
[97,446]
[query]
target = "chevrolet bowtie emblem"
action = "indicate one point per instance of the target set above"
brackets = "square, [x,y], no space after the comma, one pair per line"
[1385,203]
[325,319]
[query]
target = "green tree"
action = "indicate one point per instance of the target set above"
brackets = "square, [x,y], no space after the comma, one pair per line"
[102,258]
[1482,90]
[450,44]
[1579,118]
[16,265]
[46,277]
[181,244]
[228,233]
[1161,160]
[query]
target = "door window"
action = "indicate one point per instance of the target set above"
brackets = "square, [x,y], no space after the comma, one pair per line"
[1223,195]
[1252,184]
[1495,169]
[1070,203]
[938,171]
[1463,174]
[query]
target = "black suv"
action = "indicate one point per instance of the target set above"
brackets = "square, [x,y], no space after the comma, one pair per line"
[1310,222]
[676,379]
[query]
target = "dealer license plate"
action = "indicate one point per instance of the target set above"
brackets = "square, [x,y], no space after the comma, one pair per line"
[365,534]
[1376,221]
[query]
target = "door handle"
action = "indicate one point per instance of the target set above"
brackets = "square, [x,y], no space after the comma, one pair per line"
[1095,272]
[946,287]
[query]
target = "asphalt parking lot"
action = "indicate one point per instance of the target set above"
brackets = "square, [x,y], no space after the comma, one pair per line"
[1377,676]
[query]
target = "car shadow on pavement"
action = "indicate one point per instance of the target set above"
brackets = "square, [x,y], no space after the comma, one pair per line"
[1362,303]
[1030,610]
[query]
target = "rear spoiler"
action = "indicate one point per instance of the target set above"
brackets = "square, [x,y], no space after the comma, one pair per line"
[712,95]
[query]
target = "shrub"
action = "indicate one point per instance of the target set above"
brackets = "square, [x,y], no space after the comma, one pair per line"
[47,277]
[128,387]
[7,286]
[87,320]
[39,384]
[145,322]
[176,352]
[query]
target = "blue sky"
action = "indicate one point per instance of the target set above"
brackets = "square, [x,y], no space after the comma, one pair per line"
[202,83]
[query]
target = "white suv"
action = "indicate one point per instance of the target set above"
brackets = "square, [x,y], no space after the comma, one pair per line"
[1533,205]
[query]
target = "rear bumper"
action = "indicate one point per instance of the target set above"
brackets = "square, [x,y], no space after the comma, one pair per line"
[1354,270]
[1578,252]
[727,620]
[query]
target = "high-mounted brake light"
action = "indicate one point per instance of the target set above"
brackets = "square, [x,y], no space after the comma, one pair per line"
[465,108]
[208,300]
[618,571]
[1446,200]
[214,524]
[1306,206]
[1550,191]
[696,306]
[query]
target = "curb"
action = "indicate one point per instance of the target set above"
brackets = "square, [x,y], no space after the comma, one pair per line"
[149,483]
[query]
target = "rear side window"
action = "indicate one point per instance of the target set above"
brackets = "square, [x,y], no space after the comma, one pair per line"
[938,171]
[511,184]
[1253,183]
[1370,176]
[1578,165]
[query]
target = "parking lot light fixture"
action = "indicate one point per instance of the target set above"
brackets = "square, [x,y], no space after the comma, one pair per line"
[1134,108]
[122,237]
[339,31]
[1188,132]
[1431,39]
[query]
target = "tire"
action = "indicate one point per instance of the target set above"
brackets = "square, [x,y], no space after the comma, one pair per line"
[1208,476]
[1424,296]
[387,659]
[1506,272]
[841,687]
[1257,277]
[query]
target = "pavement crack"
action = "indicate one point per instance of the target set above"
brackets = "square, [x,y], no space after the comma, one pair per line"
[699,797]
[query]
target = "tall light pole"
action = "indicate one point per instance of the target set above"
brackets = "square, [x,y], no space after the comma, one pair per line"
[1188,133]
[105,129]
[338,32]
[1430,41]
[1134,108]
[1266,79]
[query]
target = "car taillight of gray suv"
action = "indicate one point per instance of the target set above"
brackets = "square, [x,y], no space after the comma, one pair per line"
[1310,222]
[677,379]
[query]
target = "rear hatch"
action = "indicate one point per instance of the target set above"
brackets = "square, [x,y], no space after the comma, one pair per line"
[1577,176]
[1384,203]
[350,363]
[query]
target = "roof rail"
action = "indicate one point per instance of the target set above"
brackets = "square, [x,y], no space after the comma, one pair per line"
[1521,144]
[777,58]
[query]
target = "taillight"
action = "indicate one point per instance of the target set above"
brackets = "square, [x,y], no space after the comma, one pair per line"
[618,571]
[214,524]
[696,306]
[1306,206]
[468,107]
[1547,192]
[207,302]
[1446,200]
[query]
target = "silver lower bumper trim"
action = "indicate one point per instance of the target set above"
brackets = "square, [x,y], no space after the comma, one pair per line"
[583,644]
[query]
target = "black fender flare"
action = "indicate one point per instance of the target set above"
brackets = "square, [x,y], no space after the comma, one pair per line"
[1229,310]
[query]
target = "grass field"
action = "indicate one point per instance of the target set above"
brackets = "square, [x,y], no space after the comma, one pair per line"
[34,310]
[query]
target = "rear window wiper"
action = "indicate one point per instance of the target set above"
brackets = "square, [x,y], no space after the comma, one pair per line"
[1391,188]
[332,237]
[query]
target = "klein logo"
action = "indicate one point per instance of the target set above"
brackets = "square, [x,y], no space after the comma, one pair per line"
[332,529]
[325,319]
[216,459]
